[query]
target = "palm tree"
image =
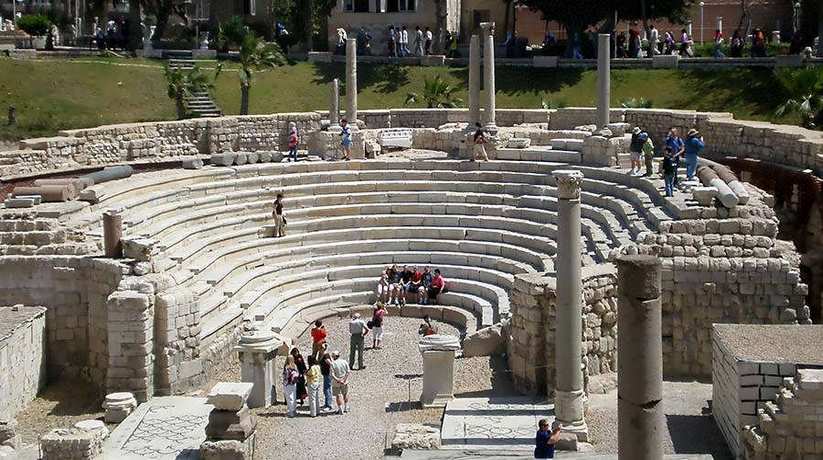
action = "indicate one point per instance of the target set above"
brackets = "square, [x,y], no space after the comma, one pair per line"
[255,55]
[437,93]
[803,90]
[181,84]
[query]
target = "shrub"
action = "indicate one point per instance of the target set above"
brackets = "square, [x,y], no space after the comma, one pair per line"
[635,103]
[34,24]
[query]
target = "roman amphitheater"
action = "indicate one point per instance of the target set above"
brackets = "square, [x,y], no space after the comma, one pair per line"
[138,263]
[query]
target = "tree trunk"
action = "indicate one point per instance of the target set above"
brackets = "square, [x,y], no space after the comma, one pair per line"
[309,25]
[244,99]
[135,32]
[181,107]
[820,30]
[163,13]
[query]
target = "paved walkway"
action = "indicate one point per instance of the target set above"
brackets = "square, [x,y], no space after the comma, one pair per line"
[493,422]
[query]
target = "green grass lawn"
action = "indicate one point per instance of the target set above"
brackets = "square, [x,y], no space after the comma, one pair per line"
[51,95]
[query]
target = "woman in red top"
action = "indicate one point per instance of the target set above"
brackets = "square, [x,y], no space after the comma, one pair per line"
[438,283]
[318,339]
[294,141]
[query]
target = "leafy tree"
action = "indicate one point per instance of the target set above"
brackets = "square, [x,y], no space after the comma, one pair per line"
[255,55]
[182,83]
[34,24]
[163,11]
[437,93]
[578,15]
[803,90]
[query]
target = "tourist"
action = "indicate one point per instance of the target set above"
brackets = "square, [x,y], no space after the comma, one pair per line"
[318,339]
[669,168]
[620,45]
[654,41]
[416,286]
[648,155]
[668,43]
[325,369]
[479,149]
[377,317]
[634,43]
[340,372]
[404,42]
[685,44]
[453,53]
[676,144]
[345,139]
[429,40]
[736,45]
[294,140]
[314,379]
[636,149]
[718,44]
[427,328]
[301,375]
[438,285]
[279,218]
[395,285]
[290,376]
[426,283]
[384,287]
[418,41]
[358,330]
[545,440]
[392,41]
[406,283]
[694,145]
[758,43]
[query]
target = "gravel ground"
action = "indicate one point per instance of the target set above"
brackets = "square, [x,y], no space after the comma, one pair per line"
[379,397]
[690,428]
[60,405]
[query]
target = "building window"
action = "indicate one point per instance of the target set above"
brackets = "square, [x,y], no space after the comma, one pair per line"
[361,6]
[348,5]
[394,6]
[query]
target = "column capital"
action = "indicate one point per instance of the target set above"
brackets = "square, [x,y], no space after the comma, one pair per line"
[488,27]
[568,183]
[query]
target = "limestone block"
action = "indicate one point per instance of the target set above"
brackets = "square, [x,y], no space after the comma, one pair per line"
[518,143]
[19,202]
[71,443]
[264,156]
[484,342]
[192,163]
[230,396]
[222,159]
[241,158]
[704,195]
[415,436]
[228,449]
[118,406]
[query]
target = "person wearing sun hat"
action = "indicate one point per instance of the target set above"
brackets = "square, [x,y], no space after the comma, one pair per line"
[694,146]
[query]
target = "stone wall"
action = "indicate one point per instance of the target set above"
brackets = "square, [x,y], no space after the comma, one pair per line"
[531,348]
[22,357]
[74,291]
[177,347]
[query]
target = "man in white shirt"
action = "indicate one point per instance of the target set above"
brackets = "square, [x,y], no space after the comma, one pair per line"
[418,41]
[358,330]
[654,37]
[340,372]
[404,42]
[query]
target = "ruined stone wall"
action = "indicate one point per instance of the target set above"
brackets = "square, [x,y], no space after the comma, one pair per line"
[179,366]
[531,349]
[74,291]
[22,357]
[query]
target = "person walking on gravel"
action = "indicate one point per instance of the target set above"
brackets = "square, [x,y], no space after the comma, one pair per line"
[314,380]
[358,330]
[318,339]
[377,325]
[325,369]
[340,372]
[290,377]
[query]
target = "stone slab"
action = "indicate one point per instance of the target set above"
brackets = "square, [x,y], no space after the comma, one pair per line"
[230,396]
[493,422]
[164,428]
[773,343]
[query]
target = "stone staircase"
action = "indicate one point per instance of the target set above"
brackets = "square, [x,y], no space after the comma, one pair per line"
[179,59]
[201,105]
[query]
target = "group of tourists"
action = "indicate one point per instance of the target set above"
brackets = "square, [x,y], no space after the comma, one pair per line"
[323,372]
[399,40]
[676,151]
[399,286]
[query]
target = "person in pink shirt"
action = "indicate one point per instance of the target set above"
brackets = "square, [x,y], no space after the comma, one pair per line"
[294,141]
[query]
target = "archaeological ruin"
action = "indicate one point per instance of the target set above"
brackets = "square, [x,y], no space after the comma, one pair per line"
[138,258]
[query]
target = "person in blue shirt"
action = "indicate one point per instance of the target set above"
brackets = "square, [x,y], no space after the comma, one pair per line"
[545,440]
[345,139]
[675,142]
[694,145]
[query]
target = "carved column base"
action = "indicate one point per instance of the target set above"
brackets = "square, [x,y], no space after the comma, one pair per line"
[569,407]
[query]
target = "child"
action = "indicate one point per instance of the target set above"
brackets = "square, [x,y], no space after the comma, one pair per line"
[345,141]
[294,141]
[669,168]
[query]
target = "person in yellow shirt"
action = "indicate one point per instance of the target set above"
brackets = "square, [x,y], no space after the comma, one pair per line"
[314,382]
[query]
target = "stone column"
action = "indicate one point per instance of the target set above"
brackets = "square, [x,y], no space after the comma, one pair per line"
[639,359]
[438,369]
[488,77]
[351,81]
[334,102]
[231,430]
[256,352]
[569,395]
[113,233]
[604,50]
[474,81]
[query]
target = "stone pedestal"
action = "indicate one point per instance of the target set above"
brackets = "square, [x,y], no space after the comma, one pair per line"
[604,50]
[570,398]
[438,369]
[118,406]
[489,115]
[474,81]
[256,352]
[72,444]
[351,81]
[230,433]
[113,233]
[640,359]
